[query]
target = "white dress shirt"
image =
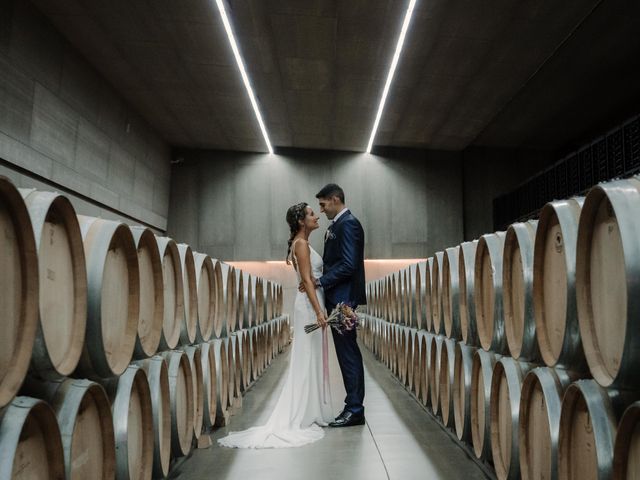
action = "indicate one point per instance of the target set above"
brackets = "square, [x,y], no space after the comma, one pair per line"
[335,219]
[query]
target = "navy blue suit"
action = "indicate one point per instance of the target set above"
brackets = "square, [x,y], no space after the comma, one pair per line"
[343,281]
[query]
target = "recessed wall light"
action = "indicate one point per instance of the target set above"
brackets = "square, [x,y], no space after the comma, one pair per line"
[392,70]
[243,72]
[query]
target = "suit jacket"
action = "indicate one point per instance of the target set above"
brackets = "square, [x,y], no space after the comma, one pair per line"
[343,272]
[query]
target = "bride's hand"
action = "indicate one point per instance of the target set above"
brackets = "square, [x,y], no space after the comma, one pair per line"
[322,319]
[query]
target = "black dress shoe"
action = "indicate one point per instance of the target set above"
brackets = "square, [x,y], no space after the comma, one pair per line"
[347,419]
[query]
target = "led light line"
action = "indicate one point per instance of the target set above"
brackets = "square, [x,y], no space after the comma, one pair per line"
[243,72]
[392,71]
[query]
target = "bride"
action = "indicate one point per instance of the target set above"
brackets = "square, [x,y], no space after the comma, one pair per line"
[305,402]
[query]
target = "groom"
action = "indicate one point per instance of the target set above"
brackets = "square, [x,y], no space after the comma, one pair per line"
[343,281]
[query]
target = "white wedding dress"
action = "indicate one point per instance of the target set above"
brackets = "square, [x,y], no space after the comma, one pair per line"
[304,405]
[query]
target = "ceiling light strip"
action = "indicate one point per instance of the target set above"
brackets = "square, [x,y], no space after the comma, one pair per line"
[243,72]
[392,71]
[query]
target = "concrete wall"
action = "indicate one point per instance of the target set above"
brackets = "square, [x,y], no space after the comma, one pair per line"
[60,120]
[233,205]
[490,172]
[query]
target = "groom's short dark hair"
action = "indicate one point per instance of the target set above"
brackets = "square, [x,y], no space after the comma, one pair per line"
[331,190]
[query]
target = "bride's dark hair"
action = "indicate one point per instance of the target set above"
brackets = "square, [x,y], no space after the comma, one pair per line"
[295,215]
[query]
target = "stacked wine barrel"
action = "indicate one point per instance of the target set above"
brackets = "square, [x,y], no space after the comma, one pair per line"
[526,343]
[120,349]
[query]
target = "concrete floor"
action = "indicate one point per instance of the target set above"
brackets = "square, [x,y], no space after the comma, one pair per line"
[399,441]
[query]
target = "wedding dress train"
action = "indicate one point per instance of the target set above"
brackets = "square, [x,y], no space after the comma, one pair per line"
[305,402]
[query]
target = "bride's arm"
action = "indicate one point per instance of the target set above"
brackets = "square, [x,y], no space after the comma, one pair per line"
[303,259]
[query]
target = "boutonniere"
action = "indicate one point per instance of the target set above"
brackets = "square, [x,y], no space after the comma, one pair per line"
[329,235]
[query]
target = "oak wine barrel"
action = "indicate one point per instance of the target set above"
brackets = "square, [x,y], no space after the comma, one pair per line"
[19,288]
[249,306]
[83,413]
[218,294]
[488,292]
[463,365]
[554,289]
[436,293]
[30,443]
[466,282]
[447,372]
[229,343]
[258,298]
[434,372]
[222,379]
[195,363]
[607,282]
[230,299]
[421,283]
[481,375]
[158,377]
[626,457]
[151,293]
[181,396]
[240,299]
[425,359]
[132,423]
[62,284]
[451,293]
[207,293]
[172,293]
[539,426]
[210,385]
[517,291]
[189,325]
[114,298]
[588,422]
[506,384]
[416,363]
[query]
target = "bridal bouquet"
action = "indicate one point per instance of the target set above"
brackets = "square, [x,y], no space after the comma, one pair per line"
[344,318]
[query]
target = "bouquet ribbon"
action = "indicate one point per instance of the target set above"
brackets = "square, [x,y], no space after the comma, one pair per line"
[325,364]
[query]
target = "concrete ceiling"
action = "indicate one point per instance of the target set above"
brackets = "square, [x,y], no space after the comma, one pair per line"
[504,73]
